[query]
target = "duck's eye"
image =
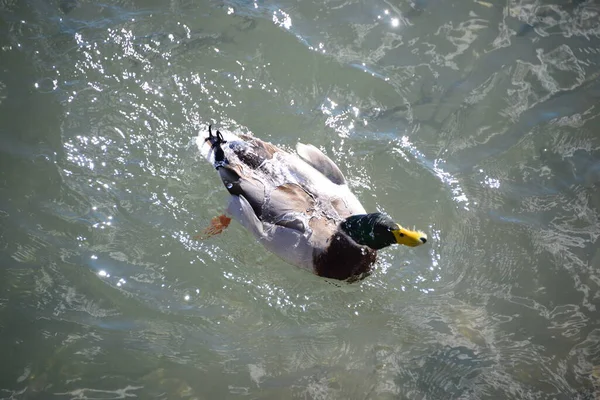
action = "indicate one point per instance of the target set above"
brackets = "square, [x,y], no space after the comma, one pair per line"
[401,234]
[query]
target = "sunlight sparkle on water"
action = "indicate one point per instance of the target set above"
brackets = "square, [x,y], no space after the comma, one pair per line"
[284,20]
[492,182]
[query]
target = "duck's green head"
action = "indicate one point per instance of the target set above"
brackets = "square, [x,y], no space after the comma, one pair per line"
[377,231]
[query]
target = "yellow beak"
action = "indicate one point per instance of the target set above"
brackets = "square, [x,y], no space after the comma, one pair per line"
[409,238]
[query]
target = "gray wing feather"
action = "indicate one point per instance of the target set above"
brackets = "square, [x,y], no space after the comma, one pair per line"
[320,162]
[283,205]
[242,211]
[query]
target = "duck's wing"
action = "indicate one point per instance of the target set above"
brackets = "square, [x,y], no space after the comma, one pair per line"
[289,205]
[319,161]
[330,182]
[287,243]
[284,205]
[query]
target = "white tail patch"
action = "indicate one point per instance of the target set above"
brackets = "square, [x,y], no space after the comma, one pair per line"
[204,146]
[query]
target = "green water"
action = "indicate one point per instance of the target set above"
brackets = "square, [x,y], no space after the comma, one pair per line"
[477,122]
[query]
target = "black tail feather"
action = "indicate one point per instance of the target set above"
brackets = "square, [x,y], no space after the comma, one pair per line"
[215,139]
[215,142]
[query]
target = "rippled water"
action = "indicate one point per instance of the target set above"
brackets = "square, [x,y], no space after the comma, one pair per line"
[475,121]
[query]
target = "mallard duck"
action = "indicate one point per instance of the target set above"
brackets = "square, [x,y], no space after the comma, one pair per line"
[299,206]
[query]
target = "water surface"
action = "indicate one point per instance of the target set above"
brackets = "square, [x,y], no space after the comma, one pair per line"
[475,121]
